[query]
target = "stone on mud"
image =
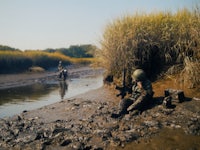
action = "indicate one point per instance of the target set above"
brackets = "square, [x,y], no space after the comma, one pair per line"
[177,95]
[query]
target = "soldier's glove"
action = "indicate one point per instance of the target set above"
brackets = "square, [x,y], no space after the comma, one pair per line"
[130,108]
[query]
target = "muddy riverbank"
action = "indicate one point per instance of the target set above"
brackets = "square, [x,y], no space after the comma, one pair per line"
[84,122]
[28,78]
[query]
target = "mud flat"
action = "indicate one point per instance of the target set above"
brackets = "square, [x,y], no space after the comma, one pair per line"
[84,122]
[27,78]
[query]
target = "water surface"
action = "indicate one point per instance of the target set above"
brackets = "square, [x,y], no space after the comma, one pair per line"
[16,100]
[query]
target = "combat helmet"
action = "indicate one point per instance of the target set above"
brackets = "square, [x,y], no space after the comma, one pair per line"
[139,75]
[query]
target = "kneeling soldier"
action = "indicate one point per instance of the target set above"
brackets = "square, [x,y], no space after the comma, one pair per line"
[141,95]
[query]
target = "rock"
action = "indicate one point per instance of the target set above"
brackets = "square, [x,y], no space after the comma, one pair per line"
[177,95]
[16,132]
[25,111]
[151,123]
[58,130]
[47,142]
[124,127]
[167,102]
[193,126]
[18,118]
[78,145]
[167,111]
[108,79]
[66,142]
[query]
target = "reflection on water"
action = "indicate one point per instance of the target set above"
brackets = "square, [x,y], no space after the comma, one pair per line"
[26,93]
[63,88]
[15,100]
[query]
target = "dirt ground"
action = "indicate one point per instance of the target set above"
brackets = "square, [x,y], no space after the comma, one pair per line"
[84,122]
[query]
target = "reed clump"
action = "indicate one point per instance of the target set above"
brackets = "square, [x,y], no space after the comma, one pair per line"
[45,59]
[13,61]
[154,42]
[19,61]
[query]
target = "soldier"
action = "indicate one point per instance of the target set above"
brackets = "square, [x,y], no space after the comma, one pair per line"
[141,95]
[60,69]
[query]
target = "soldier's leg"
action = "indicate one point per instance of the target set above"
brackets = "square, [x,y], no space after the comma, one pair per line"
[124,104]
[141,103]
[60,74]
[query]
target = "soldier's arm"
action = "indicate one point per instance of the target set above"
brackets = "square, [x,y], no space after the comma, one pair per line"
[138,101]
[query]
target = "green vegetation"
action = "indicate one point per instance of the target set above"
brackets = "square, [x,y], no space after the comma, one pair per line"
[5,48]
[12,60]
[156,42]
[82,51]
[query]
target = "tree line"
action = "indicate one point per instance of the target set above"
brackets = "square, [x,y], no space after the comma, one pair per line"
[77,51]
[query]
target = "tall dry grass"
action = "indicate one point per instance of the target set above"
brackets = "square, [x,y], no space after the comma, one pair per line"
[18,61]
[154,42]
[13,61]
[46,59]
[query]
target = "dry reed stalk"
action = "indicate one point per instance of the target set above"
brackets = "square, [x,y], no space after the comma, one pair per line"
[191,72]
[152,42]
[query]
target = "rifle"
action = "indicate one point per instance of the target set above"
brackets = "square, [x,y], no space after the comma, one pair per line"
[124,88]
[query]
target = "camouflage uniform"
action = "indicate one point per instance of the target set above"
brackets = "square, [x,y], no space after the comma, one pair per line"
[60,68]
[139,98]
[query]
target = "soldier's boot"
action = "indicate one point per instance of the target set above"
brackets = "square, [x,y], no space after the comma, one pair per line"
[120,114]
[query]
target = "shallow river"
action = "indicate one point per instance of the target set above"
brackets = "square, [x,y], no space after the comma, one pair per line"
[16,100]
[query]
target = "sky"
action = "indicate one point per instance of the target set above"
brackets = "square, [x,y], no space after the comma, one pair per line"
[42,24]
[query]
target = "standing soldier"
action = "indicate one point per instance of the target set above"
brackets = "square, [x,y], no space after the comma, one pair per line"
[60,68]
[141,95]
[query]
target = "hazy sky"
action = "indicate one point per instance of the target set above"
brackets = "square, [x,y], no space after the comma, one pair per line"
[41,24]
